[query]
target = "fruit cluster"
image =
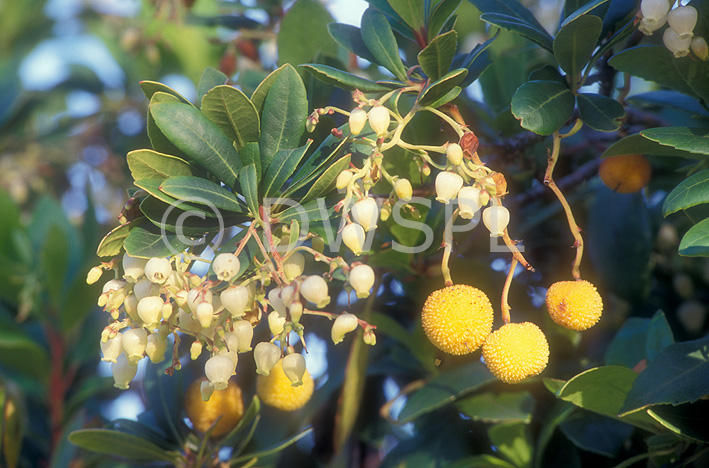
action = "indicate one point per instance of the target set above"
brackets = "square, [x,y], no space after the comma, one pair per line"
[679,37]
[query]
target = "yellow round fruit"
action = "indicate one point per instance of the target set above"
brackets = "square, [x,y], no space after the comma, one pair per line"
[625,173]
[277,390]
[457,319]
[227,403]
[574,304]
[516,351]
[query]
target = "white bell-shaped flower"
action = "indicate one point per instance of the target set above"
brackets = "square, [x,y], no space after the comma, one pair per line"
[366,212]
[231,355]
[403,189]
[196,296]
[113,294]
[150,310]
[296,311]
[187,322]
[156,347]
[654,10]
[235,299]
[133,268]
[468,202]
[353,236]
[699,47]
[294,368]
[288,294]
[447,186]
[231,340]
[112,348]
[379,120]
[134,342]
[276,301]
[244,332]
[218,370]
[205,314]
[123,372]
[158,270]
[683,20]
[314,289]
[131,305]
[144,288]
[226,266]
[678,46]
[206,389]
[648,27]
[454,153]
[276,323]
[343,180]
[266,355]
[362,279]
[167,310]
[344,324]
[358,117]
[496,218]
[294,266]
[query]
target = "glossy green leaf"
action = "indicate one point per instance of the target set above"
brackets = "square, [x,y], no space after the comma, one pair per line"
[637,144]
[258,98]
[695,242]
[329,150]
[112,243]
[251,154]
[152,186]
[628,345]
[379,39]
[574,44]
[692,191]
[442,12]
[665,97]
[121,444]
[585,8]
[350,37]
[437,57]
[193,223]
[679,374]
[146,241]
[494,408]
[543,106]
[546,73]
[199,138]
[202,192]
[149,164]
[514,9]
[512,442]
[158,140]
[476,61]
[271,450]
[600,112]
[284,114]
[529,31]
[342,79]
[164,395]
[282,168]
[211,78]
[694,140]
[303,33]
[249,187]
[315,210]
[441,87]
[411,11]
[688,420]
[150,88]
[446,98]
[326,182]
[234,114]
[659,335]
[595,433]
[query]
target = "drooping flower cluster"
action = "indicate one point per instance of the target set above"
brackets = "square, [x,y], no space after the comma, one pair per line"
[679,37]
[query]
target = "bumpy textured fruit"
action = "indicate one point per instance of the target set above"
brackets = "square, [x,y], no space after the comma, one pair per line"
[457,319]
[574,304]
[277,390]
[516,351]
[625,173]
[227,403]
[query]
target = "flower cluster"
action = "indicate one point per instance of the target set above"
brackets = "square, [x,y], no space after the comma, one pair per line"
[679,37]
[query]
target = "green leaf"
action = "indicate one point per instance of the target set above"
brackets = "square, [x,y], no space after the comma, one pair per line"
[271,450]
[442,12]
[150,88]
[122,445]
[342,79]
[476,61]
[664,97]
[411,11]
[574,44]
[326,182]
[282,168]
[441,87]
[258,98]
[678,374]
[494,408]
[445,389]
[10,222]
[55,262]
[543,106]
[152,186]
[146,241]
[688,420]
[637,144]
[582,11]
[695,243]
[513,443]
[692,191]
[380,40]
[198,138]
[211,78]
[112,243]
[249,187]
[19,352]
[694,140]
[481,461]
[628,345]
[303,33]
[437,57]
[529,31]
[149,164]
[202,192]
[193,223]
[446,98]
[595,433]
[158,140]
[251,154]
[350,37]
[284,114]
[659,335]
[600,112]
[312,211]
[329,150]
[234,114]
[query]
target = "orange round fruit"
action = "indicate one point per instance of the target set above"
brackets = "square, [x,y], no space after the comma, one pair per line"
[457,319]
[516,351]
[574,304]
[227,403]
[276,389]
[625,173]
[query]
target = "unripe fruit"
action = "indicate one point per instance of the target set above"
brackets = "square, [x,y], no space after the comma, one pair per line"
[699,48]
[468,202]
[654,10]
[344,323]
[294,266]
[314,289]
[679,46]
[205,314]
[123,372]
[683,20]
[134,342]
[353,236]
[245,333]
[218,370]
[447,186]
[150,310]
[457,319]
[366,212]
[158,270]
[112,348]
[235,299]
[403,189]
[516,351]
[496,218]
[133,268]
[278,391]
[226,266]
[574,304]
[226,405]
[362,279]
[358,117]
[343,180]
[294,368]
[625,173]
[266,355]
[379,120]
[156,347]
[454,153]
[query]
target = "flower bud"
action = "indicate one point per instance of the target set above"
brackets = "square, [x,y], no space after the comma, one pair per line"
[468,202]
[403,189]
[235,299]
[205,314]
[133,268]
[369,337]
[266,355]
[353,237]
[113,294]
[294,368]
[455,154]
[276,323]
[156,347]
[683,20]
[167,310]
[123,372]
[226,266]
[150,310]
[314,289]
[206,389]
[134,342]
[244,332]
[654,10]
[145,288]
[296,311]
[94,275]
[678,46]
[385,212]
[196,349]
[343,180]
[196,296]
[112,348]
[344,324]
[496,218]
[379,120]
[312,122]
[699,47]
[294,266]
[447,186]
[218,370]
[358,117]
[426,170]
[484,198]
[362,279]
[158,270]
[366,212]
